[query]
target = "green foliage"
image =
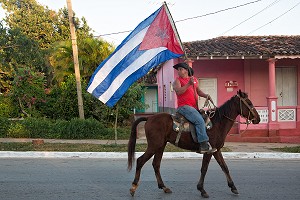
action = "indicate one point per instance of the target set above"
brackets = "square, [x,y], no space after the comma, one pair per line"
[59,129]
[131,100]
[41,24]
[6,77]
[17,130]
[29,91]
[295,149]
[4,126]
[40,128]
[124,107]
[17,50]
[66,106]
[4,106]
[36,66]
[77,129]
[91,52]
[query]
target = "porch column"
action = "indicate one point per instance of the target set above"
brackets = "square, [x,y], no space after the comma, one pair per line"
[273,125]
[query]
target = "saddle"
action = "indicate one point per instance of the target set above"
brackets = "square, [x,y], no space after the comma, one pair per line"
[181,124]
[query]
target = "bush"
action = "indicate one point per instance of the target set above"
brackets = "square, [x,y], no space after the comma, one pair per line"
[59,129]
[17,130]
[4,125]
[8,108]
[40,128]
[81,129]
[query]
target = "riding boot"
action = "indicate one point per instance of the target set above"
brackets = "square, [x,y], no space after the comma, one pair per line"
[205,147]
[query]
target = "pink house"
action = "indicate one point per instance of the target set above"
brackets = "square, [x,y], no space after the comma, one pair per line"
[266,67]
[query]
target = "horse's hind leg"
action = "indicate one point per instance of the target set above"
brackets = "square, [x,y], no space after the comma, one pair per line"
[139,164]
[205,162]
[156,166]
[219,157]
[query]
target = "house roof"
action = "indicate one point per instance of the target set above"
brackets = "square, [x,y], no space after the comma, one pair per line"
[244,47]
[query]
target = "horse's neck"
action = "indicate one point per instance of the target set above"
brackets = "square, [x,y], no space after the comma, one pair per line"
[229,110]
[227,114]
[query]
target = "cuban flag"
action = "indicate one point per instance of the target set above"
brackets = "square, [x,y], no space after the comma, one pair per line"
[152,42]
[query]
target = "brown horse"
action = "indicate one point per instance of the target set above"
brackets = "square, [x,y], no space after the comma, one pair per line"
[159,131]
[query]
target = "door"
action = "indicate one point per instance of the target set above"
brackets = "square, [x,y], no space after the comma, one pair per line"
[208,86]
[286,86]
[151,99]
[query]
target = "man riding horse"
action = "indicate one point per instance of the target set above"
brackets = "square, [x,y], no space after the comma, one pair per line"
[187,91]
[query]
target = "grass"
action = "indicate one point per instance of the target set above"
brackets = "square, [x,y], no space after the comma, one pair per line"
[295,149]
[16,146]
[64,147]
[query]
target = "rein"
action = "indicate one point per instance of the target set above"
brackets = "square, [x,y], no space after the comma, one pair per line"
[206,104]
[248,121]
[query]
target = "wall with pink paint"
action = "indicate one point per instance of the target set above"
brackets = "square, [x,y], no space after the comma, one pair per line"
[251,75]
[165,77]
[259,82]
[223,70]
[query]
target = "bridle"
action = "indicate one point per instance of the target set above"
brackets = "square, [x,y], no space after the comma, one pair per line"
[251,108]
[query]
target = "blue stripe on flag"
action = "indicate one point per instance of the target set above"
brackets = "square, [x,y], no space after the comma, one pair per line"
[161,57]
[138,29]
[126,65]
[119,68]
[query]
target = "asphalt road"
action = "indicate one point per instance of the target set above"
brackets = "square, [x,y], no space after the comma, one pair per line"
[78,179]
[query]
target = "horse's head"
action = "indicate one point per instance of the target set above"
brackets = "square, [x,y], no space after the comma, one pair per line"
[247,109]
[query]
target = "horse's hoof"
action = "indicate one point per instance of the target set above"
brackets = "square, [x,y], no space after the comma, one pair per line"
[204,195]
[234,191]
[132,191]
[167,190]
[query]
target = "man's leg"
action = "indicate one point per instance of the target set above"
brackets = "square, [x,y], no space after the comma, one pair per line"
[195,117]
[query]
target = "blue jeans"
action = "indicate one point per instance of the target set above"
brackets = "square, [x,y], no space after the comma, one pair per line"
[196,118]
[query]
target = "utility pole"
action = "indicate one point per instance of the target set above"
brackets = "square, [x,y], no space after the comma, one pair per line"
[75,57]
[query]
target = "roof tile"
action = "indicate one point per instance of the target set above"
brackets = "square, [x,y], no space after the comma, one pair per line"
[244,46]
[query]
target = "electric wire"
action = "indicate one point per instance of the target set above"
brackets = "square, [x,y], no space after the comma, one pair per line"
[274,19]
[270,5]
[212,13]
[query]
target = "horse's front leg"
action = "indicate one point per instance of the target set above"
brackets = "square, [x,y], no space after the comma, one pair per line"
[156,166]
[205,162]
[219,157]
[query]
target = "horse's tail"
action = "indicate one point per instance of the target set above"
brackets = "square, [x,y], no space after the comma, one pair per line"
[132,141]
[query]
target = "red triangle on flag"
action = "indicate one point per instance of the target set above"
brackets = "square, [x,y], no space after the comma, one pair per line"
[161,34]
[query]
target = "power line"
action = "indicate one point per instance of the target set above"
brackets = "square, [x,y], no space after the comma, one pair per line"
[218,11]
[274,18]
[189,17]
[270,5]
[113,33]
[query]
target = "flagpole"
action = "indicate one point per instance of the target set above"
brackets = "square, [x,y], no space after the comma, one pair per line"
[174,28]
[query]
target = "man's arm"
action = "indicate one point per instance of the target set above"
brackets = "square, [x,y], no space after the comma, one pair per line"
[202,94]
[180,89]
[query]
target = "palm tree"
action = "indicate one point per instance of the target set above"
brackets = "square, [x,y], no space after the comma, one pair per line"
[91,52]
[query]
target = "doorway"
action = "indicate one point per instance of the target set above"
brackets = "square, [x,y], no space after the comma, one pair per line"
[286,86]
[208,86]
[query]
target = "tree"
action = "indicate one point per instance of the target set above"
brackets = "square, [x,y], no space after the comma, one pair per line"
[16,50]
[91,52]
[41,24]
[29,91]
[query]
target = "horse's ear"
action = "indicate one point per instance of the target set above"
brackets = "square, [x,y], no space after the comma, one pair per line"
[239,92]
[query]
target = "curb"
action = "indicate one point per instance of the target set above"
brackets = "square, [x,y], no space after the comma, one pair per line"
[167,155]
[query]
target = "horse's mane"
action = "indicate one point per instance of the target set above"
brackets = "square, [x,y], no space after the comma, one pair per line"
[224,109]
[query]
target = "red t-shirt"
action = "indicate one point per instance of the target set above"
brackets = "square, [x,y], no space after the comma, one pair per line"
[188,97]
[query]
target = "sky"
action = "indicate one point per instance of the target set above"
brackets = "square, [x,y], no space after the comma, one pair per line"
[194,19]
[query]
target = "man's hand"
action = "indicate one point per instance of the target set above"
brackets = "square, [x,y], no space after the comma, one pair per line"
[210,99]
[191,81]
